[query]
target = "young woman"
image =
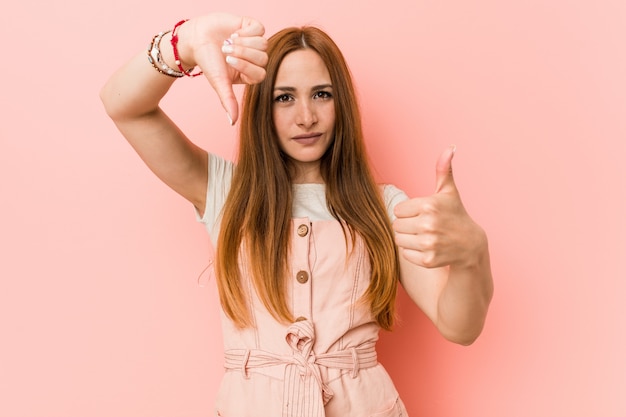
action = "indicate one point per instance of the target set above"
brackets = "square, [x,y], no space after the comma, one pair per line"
[309,250]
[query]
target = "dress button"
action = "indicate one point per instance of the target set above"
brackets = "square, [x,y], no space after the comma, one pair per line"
[303,229]
[302,277]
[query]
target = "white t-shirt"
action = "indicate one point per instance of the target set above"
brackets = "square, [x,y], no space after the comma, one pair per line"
[309,200]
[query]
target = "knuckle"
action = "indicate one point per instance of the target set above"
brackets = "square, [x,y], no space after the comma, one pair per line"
[431,242]
[261,75]
[263,44]
[428,226]
[429,259]
[263,59]
[428,205]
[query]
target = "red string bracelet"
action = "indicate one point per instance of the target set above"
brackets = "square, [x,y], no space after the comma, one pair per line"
[174,42]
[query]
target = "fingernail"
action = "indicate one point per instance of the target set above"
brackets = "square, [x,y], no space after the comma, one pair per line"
[231,60]
[228,49]
[453,149]
[230,119]
[228,41]
[234,35]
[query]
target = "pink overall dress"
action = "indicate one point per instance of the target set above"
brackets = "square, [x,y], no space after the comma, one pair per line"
[323,364]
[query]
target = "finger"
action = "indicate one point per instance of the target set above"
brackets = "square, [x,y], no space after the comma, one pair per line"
[409,225]
[249,62]
[445,179]
[254,42]
[248,72]
[211,61]
[253,56]
[408,208]
[224,88]
[411,241]
[424,259]
[412,256]
[415,207]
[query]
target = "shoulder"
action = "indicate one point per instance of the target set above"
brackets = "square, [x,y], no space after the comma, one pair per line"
[220,167]
[220,174]
[392,195]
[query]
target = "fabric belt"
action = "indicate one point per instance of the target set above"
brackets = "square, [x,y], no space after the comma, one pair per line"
[305,393]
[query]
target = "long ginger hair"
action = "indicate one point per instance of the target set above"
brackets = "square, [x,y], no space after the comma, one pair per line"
[257,214]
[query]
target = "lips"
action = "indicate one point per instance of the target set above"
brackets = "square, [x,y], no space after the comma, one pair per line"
[307,138]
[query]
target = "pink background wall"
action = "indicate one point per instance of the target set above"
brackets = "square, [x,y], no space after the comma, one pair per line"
[100,311]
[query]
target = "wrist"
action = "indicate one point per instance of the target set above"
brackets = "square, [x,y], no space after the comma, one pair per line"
[159,59]
[180,50]
[476,253]
[164,54]
[167,55]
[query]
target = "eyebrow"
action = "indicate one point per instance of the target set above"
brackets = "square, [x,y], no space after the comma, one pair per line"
[292,89]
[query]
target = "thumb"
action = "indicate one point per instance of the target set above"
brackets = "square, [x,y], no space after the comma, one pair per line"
[222,83]
[445,180]
[217,74]
[212,63]
[224,89]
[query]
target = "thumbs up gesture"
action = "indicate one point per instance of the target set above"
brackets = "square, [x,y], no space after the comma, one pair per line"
[436,231]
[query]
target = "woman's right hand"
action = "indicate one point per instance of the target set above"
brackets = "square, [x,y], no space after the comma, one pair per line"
[229,50]
[132,95]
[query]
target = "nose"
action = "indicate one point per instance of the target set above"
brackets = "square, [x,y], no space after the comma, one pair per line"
[306,116]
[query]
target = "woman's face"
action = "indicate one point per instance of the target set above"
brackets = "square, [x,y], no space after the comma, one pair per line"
[304,112]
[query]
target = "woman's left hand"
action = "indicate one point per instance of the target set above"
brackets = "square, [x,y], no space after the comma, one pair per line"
[436,231]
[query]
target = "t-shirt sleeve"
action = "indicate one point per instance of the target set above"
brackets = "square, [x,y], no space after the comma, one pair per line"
[220,175]
[392,195]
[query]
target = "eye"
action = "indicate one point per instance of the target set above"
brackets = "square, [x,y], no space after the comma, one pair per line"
[324,95]
[283,98]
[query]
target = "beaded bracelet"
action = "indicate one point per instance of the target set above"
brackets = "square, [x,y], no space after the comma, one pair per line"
[154,57]
[174,42]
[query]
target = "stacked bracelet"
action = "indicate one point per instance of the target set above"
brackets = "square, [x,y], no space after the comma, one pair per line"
[154,57]
[174,42]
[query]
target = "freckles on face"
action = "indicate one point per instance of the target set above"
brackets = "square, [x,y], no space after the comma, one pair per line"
[303,107]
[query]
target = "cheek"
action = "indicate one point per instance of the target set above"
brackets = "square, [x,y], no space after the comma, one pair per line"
[280,120]
[329,111]
[330,115]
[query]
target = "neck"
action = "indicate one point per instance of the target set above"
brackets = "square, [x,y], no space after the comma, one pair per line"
[307,173]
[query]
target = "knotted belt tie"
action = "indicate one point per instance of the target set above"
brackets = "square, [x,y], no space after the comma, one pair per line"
[305,392]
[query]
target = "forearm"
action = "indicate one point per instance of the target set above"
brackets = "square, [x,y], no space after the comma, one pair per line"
[131,98]
[464,300]
[136,88]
